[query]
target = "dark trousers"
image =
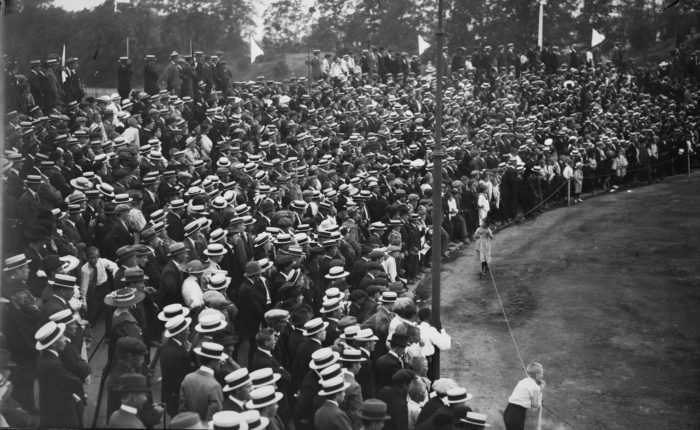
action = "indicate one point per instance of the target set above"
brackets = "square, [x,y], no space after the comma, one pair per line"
[514,417]
[95,302]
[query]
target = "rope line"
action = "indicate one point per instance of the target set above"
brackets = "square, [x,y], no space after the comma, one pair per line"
[515,344]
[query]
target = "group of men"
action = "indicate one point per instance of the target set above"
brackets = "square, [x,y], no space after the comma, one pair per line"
[263,236]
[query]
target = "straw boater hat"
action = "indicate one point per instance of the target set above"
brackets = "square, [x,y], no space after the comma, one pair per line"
[219,281]
[210,321]
[254,420]
[323,358]
[173,310]
[458,395]
[15,262]
[331,305]
[176,325]
[65,316]
[211,350]
[124,297]
[262,377]
[333,386]
[476,419]
[48,334]
[236,379]
[214,249]
[227,420]
[263,396]
[337,272]
[314,326]
[352,355]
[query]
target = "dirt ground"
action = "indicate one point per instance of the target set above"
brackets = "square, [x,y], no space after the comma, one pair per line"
[605,295]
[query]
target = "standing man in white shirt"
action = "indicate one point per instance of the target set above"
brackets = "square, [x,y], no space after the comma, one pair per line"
[526,400]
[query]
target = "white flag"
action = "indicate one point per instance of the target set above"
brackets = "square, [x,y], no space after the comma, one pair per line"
[422,45]
[64,75]
[596,38]
[255,50]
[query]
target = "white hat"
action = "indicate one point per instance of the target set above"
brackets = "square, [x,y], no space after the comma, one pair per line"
[263,396]
[176,325]
[211,350]
[333,386]
[263,377]
[48,334]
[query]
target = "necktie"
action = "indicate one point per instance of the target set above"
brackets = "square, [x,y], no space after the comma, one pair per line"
[93,277]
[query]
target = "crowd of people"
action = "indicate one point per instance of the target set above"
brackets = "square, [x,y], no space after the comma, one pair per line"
[264,237]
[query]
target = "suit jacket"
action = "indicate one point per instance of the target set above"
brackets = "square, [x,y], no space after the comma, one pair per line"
[175,227]
[331,417]
[51,306]
[121,419]
[230,405]
[175,364]
[379,322]
[262,359]
[29,207]
[170,289]
[397,407]
[303,356]
[57,387]
[117,237]
[353,399]
[252,307]
[201,393]
[150,80]
[429,409]
[384,369]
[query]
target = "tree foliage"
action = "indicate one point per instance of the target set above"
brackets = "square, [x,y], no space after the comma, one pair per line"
[98,36]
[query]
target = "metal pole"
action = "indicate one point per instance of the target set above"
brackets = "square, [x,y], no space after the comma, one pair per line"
[437,187]
[568,193]
[540,29]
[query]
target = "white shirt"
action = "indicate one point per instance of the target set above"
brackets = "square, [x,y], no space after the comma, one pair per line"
[412,350]
[568,172]
[131,135]
[192,293]
[527,394]
[431,338]
[101,266]
[390,268]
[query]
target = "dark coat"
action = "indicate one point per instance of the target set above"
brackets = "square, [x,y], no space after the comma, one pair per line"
[57,388]
[150,80]
[397,407]
[331,417]
[117,237]
[175,364]
[384,369]
[51,306]
[252,307]
[176,227]
[302,358]
[170,289]
[123,420]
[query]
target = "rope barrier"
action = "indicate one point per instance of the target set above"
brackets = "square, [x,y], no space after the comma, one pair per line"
[517,350]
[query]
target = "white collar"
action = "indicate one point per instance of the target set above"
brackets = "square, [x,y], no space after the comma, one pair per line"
[236,401]
[207,370]
[265,351]
[129,409]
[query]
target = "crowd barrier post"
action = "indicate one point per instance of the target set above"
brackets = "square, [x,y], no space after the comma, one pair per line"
[568,193]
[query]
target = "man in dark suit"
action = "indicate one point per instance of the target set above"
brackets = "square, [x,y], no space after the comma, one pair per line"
[20,322]
[237,390]
[150,76]
[173,82]
[134,391]
[394,395]
[254,301]
[175,362]
[170,290]
[391,362]
[58,388]
[63,289]
[72,90]
[175,223]
[329,416]
[35,77]
[315,332]
[119,235]
[29,204]
[124,74]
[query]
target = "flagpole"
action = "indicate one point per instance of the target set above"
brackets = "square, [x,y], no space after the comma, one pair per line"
[540,27]
[191,52]
[437,189]
[127,47]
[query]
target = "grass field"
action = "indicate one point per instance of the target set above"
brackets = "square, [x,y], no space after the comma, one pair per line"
[605,295]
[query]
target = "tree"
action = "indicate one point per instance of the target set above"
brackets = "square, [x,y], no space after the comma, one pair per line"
[287,23]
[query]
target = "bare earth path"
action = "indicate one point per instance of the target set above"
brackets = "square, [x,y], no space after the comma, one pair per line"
[605,294]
